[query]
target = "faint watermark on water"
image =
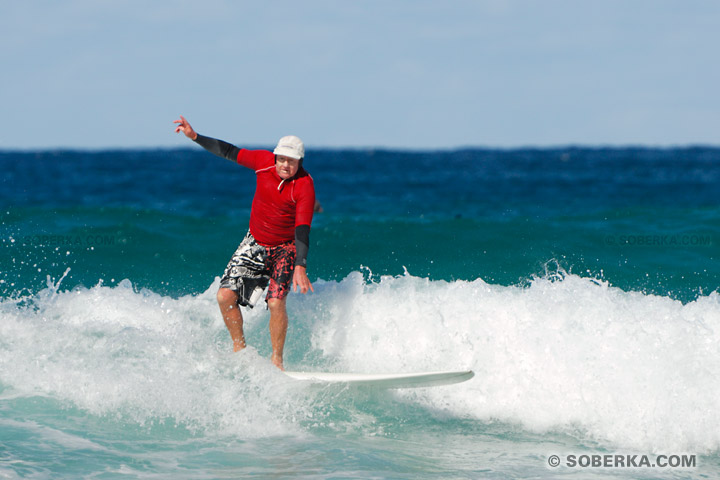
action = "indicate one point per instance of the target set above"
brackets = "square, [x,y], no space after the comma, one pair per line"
[76,240]
[620,461]
[654,240]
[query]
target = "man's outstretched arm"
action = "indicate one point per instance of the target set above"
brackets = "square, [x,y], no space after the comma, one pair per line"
[212,145]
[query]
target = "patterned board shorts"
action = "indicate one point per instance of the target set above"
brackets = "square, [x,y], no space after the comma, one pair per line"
[253,266]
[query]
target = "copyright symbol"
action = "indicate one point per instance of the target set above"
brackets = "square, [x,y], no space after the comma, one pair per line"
[553,460]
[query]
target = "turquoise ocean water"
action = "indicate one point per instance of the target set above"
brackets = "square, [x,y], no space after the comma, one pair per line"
[580,284]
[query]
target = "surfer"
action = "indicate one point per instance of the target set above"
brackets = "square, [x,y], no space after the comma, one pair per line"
[274,250]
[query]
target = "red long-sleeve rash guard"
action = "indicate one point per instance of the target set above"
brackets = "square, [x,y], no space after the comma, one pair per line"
[279,206]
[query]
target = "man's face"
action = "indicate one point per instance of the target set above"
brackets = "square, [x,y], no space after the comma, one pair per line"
[286,167]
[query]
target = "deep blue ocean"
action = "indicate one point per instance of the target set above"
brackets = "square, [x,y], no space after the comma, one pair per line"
[580,284]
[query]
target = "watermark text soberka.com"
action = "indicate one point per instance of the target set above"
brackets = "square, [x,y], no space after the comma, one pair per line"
[80,240]
[616,460]
[679,240]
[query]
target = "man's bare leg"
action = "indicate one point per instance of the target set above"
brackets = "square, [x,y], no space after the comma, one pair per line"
[227,299]
[278,329]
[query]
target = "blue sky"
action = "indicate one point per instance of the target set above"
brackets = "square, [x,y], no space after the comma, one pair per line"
[391,73]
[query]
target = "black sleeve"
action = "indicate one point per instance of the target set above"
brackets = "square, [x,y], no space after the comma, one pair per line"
[302,244]
[218,147]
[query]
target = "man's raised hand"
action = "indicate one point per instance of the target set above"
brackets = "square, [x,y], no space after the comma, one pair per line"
[184,127]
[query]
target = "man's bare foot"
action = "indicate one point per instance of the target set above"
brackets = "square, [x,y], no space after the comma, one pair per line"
[237,346]
[277,361]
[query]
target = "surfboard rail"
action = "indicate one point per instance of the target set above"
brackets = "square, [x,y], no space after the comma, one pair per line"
[386,380]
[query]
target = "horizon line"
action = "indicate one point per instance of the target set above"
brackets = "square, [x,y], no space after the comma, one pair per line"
[559,146]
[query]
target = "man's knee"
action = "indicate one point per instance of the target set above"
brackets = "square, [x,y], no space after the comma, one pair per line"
[227,298]
[276,304]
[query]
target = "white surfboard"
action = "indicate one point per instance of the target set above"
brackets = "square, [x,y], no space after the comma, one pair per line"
[386,380]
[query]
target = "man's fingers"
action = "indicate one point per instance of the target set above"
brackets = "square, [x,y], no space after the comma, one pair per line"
[303,282]
[181,126]
[182,122]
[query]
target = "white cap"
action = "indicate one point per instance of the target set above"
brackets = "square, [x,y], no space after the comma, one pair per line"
[290,146]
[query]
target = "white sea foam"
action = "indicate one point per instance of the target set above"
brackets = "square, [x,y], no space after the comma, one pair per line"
[44,435]
[119,352]
[570,354]
[566,354]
